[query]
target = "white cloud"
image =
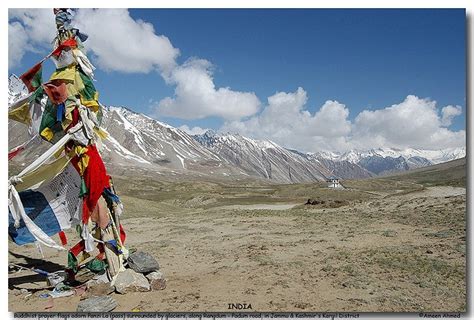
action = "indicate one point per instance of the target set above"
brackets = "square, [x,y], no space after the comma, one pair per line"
[448,113]
[193,130]
[285,121]
[413,123]
[120,43]
[196,96]
[29,30]
[39,24]
[17,42]
[116,40]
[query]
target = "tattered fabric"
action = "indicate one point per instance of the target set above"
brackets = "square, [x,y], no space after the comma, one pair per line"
[57,92]
[67,44]
[95,178]
[33,77]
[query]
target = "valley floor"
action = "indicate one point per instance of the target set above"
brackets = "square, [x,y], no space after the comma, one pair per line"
[382,247]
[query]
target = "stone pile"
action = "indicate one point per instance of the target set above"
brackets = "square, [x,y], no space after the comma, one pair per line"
[141,275]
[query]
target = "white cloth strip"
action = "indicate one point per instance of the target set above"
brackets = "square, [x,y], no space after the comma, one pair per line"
[17,210]
[51,151]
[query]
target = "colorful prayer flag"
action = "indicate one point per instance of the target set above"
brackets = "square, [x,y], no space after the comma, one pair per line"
[29,113]
[57,93]
[69,43]
[53,206]
[89,95]
[95,178]
[21,114]
[66,74]
[33,77]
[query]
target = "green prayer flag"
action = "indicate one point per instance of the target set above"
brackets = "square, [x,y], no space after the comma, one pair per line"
[71,262]
[96,265]
[84,190]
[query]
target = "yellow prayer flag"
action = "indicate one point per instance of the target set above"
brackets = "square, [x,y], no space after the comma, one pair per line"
[21,113]
[78,83]
[44,173]
[92,104]
[67,74]
[101,133]
[47,133]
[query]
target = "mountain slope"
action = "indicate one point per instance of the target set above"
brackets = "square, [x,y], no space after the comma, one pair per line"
[146,141]
[263,158]
[383,161]
[342,168]
[451,173]
[416,155]
[134,140]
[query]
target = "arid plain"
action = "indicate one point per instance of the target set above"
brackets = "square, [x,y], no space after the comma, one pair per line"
[388,244]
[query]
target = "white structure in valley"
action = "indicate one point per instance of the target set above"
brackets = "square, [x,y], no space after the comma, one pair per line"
[333,182]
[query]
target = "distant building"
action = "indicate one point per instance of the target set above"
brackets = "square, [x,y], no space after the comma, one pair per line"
[333,182]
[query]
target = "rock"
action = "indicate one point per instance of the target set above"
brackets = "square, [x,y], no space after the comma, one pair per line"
[84,275]
[24,291]
[100,278]
[429,251]
[131,281]
[99,287]
[157,280]
[142,262]
[16,292]
[97,304]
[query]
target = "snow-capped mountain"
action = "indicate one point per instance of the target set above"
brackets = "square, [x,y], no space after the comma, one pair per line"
[16,89]
[139,138]
[263,158]
[384,165]
[138,141]
[135,140]
[388,160]
[433,156]
[340,168]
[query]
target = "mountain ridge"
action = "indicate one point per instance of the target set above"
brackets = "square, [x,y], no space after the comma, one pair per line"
[137,140]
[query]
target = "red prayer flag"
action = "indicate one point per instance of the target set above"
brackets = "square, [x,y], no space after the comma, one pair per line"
[56,93]
[32,77]
[78,248]
[63,238]
[96,179]
[123,235]
[75,118]
[69,43]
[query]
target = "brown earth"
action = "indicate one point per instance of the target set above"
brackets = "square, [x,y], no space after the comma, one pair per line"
[392,246]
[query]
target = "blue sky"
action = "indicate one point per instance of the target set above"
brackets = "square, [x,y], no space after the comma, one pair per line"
[362,59]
